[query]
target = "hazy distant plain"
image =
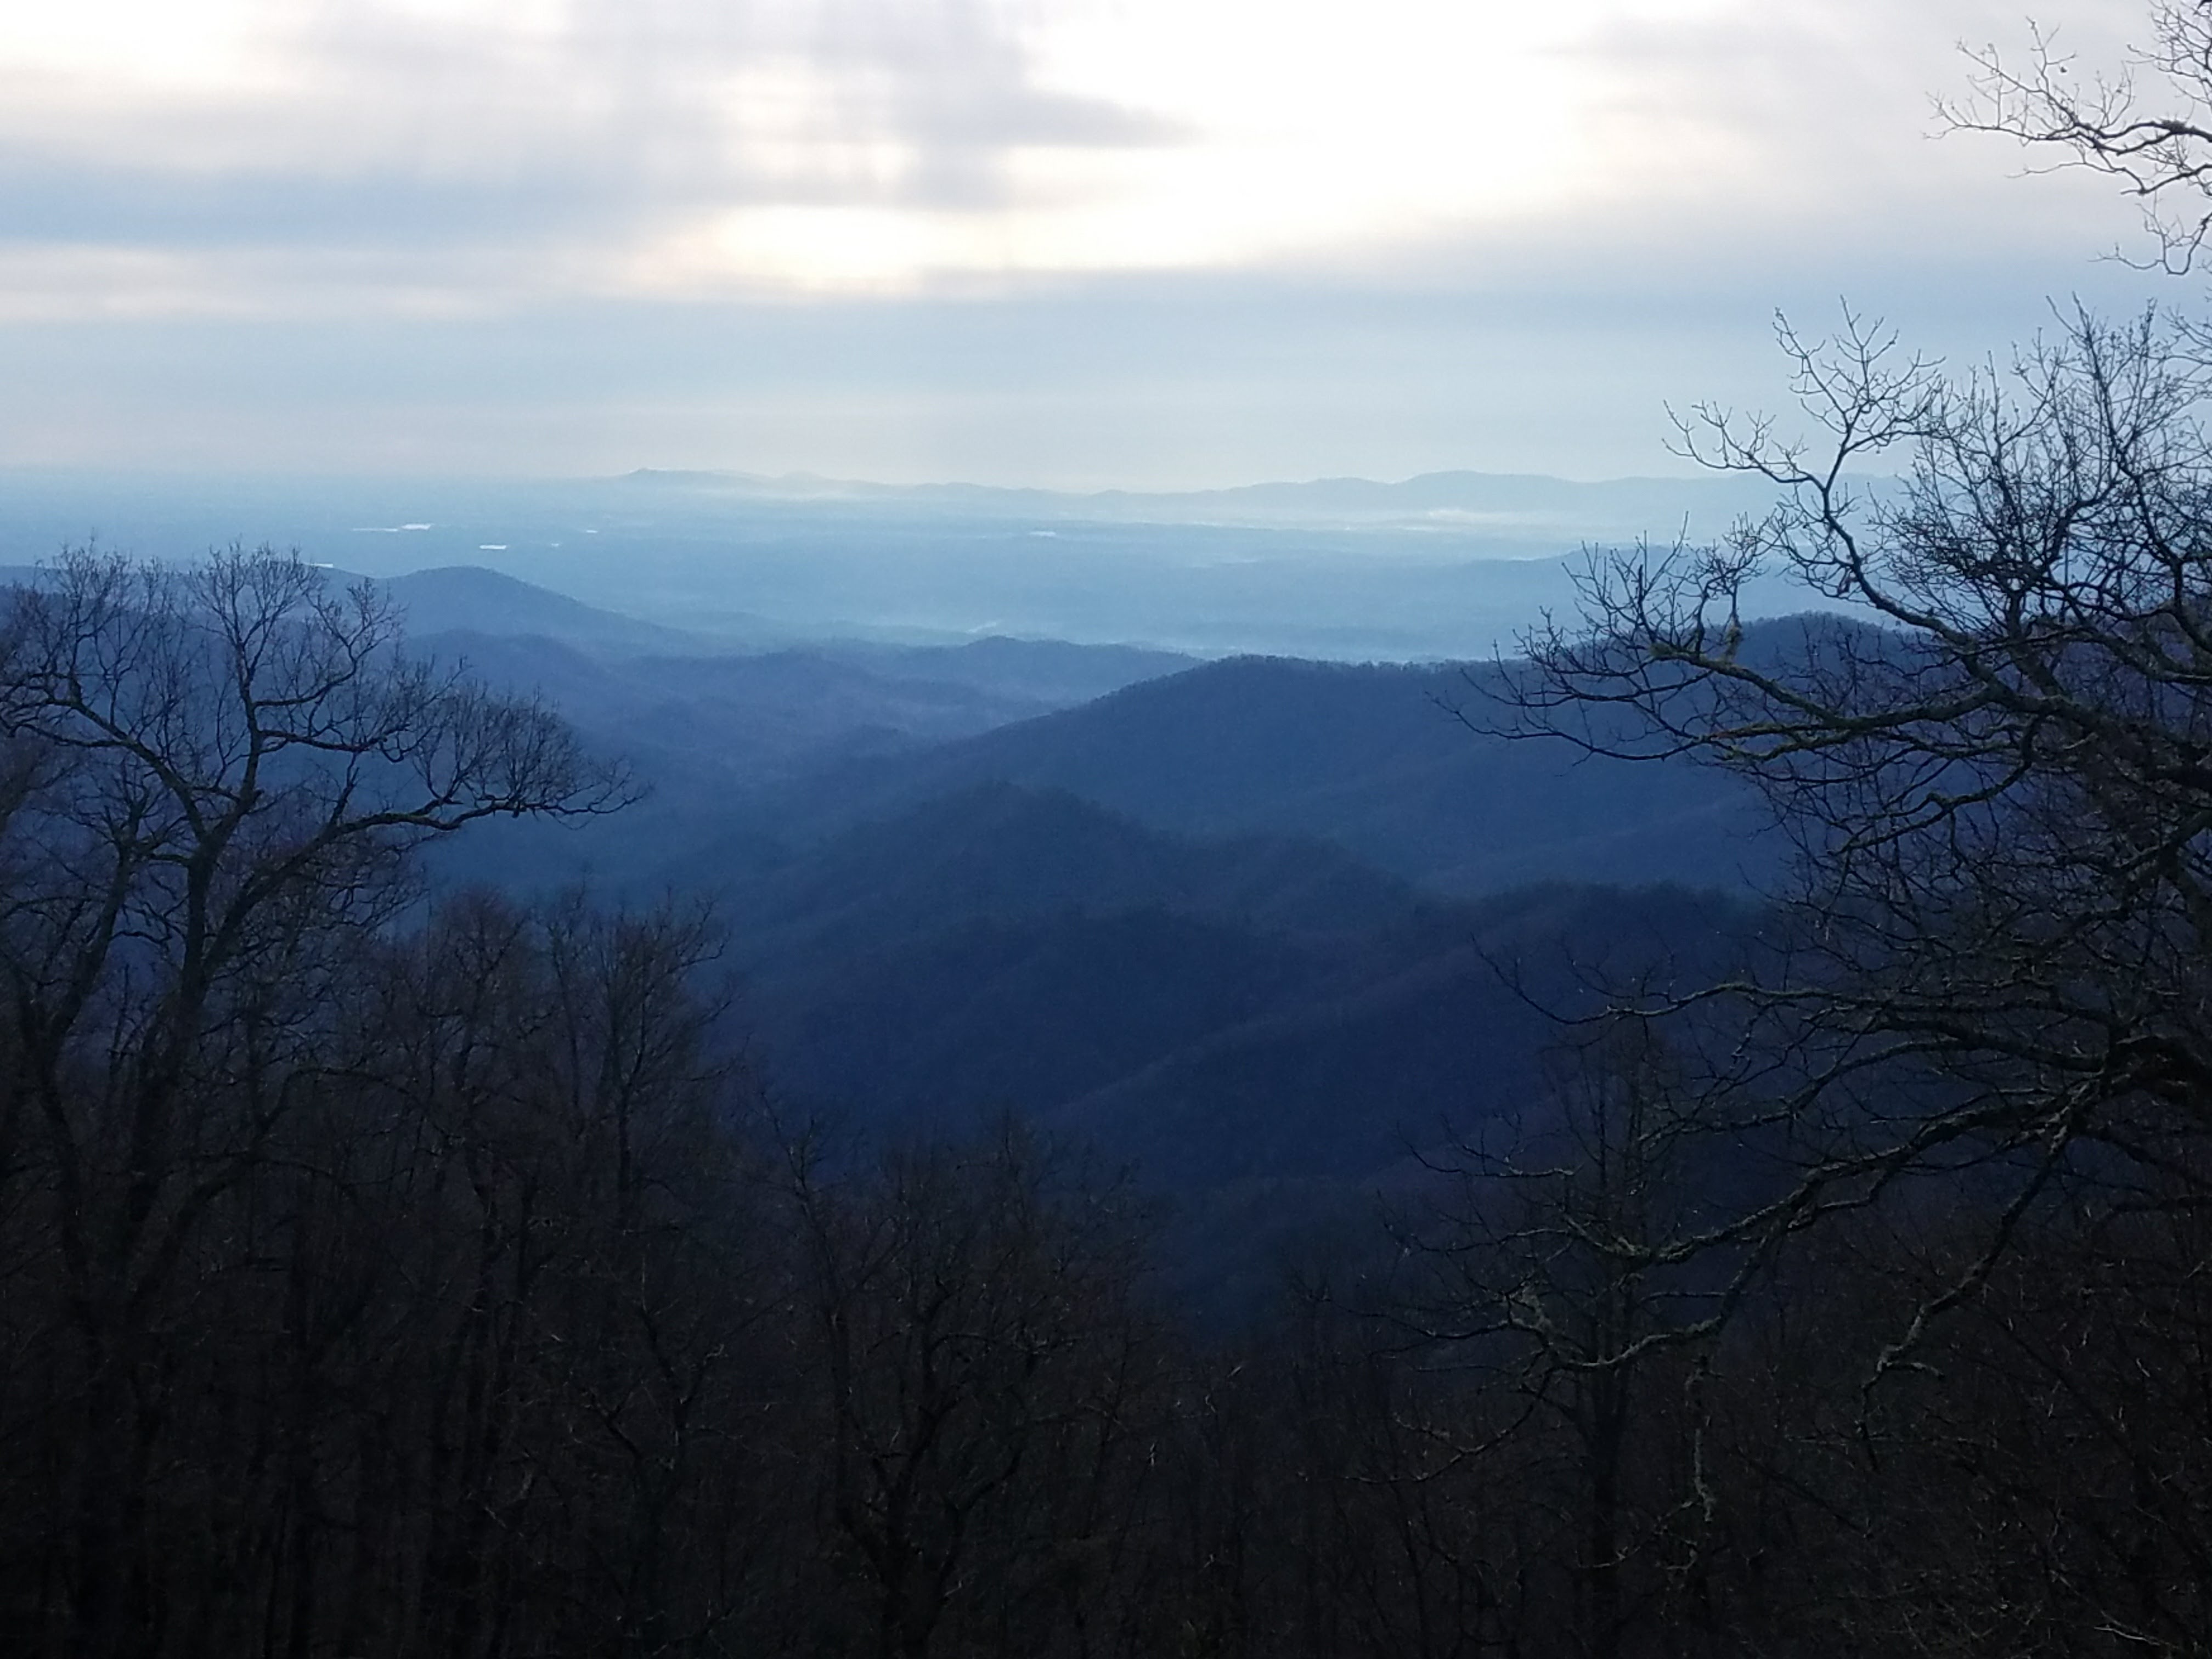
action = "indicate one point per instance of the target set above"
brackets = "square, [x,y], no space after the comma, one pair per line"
[1449,565]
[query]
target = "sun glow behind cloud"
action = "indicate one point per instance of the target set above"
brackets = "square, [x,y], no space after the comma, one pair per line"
[1094,241]
[677,147]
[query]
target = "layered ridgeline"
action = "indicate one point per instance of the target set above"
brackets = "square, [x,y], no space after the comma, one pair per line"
[1388,762]
[1255,921]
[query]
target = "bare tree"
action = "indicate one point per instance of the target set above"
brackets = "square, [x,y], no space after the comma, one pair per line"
[2161,152]
[1995,763]
[1571,1271]
[987,1373]
[220,771]
[1999,785]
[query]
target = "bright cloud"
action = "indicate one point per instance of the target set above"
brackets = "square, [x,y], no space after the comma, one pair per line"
[209,153]
[1218,239]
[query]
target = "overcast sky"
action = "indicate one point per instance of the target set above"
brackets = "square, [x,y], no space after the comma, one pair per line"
[1077,242]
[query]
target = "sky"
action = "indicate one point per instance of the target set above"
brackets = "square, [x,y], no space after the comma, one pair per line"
[1078,243]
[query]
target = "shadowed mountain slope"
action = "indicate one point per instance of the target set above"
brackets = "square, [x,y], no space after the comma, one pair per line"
[1051,672]
[1372,758]
[471,599]
[1403,1043]
[997,852]
[749,717]
[1217,1012]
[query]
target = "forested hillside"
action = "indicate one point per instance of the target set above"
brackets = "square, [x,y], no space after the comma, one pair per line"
[1376,758]
[1218,1010]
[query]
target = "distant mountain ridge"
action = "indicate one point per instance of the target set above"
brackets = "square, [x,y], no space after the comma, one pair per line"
[1443,565]
[449,598]
[1372,758]
[1501,499]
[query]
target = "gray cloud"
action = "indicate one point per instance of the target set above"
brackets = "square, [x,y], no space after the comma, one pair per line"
[1158,380]
[406,251]
[388,128]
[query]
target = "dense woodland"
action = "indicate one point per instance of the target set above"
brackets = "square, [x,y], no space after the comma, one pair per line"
[1026,1222]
